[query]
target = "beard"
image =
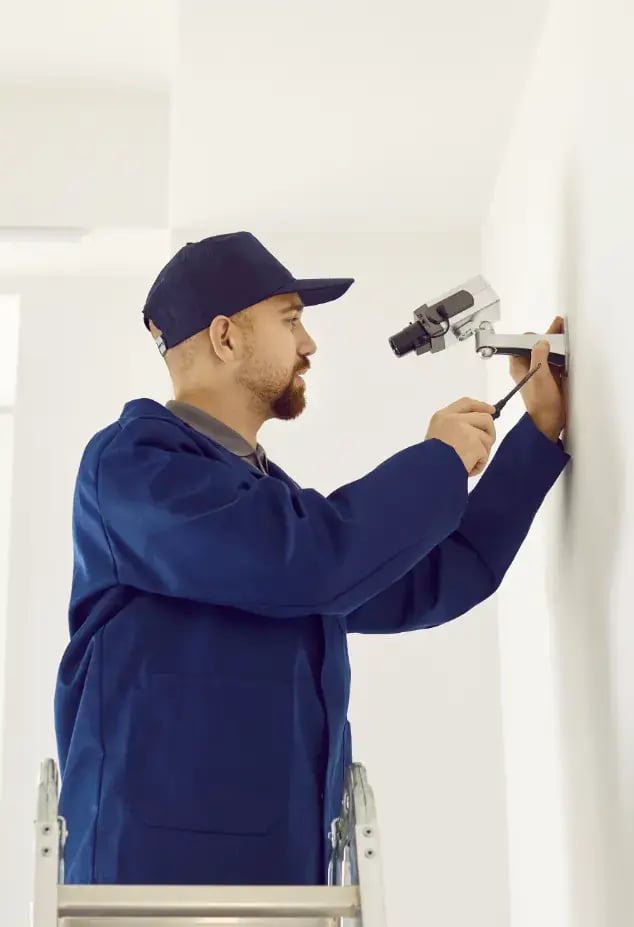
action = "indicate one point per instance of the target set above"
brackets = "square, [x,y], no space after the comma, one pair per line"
[290,403]
[283,402]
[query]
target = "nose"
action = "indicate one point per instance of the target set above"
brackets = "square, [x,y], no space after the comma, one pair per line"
[308,346]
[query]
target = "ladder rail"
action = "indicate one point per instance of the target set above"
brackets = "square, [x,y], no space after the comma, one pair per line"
[356,856]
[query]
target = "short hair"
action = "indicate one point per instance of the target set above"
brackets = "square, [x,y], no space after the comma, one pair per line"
[244,319]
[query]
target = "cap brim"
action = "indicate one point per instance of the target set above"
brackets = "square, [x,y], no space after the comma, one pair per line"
[315,292]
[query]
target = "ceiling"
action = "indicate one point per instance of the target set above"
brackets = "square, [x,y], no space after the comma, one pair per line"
[390,115]
[398,110]
[113,42]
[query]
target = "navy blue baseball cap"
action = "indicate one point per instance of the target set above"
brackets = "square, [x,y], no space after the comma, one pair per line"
[223,275]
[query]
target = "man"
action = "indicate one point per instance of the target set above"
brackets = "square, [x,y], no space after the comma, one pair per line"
[201,703]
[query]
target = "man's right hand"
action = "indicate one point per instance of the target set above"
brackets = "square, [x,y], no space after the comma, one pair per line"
[467,426]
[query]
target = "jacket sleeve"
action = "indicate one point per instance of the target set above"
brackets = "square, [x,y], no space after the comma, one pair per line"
[469,565]
[181,524]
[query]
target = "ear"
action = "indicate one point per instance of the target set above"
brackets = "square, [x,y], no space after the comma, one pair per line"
[155,332]
[224,338]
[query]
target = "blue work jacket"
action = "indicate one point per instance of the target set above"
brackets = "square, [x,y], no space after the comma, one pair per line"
[201,704]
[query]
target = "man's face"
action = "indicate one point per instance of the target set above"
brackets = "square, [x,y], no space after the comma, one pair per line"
[277,352]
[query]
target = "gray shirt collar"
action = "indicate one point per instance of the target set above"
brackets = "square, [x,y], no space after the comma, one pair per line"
[216,430]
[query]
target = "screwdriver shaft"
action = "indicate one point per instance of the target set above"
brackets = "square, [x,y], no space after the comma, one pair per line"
[500,405]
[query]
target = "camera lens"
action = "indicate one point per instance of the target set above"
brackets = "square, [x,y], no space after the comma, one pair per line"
[409,339]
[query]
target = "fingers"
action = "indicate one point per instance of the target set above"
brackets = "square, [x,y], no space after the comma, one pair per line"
[540,355]
[484,422]
[520,366]
[487,444]
[467,404]
[556,326]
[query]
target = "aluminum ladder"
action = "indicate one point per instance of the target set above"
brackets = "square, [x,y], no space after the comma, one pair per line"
[353,896]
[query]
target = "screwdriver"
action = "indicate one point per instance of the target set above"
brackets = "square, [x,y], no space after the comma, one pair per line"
[500,405]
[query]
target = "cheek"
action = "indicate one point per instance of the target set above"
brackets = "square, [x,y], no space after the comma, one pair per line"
[277,370]
[287,355]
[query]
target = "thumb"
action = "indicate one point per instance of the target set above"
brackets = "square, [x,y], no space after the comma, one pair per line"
[540,354]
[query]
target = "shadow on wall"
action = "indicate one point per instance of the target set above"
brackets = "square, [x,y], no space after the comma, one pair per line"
[581,577]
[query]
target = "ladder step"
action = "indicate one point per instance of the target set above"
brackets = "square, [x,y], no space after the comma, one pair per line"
[207,922]
[205,901]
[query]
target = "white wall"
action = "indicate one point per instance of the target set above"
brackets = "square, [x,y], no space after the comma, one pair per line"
[9,316]
[82,156]
[365,114]
[559,240]
[425,707]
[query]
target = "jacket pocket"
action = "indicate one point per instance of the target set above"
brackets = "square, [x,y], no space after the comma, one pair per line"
[210,754]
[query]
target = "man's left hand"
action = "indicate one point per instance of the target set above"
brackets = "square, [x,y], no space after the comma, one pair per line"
[545,394]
